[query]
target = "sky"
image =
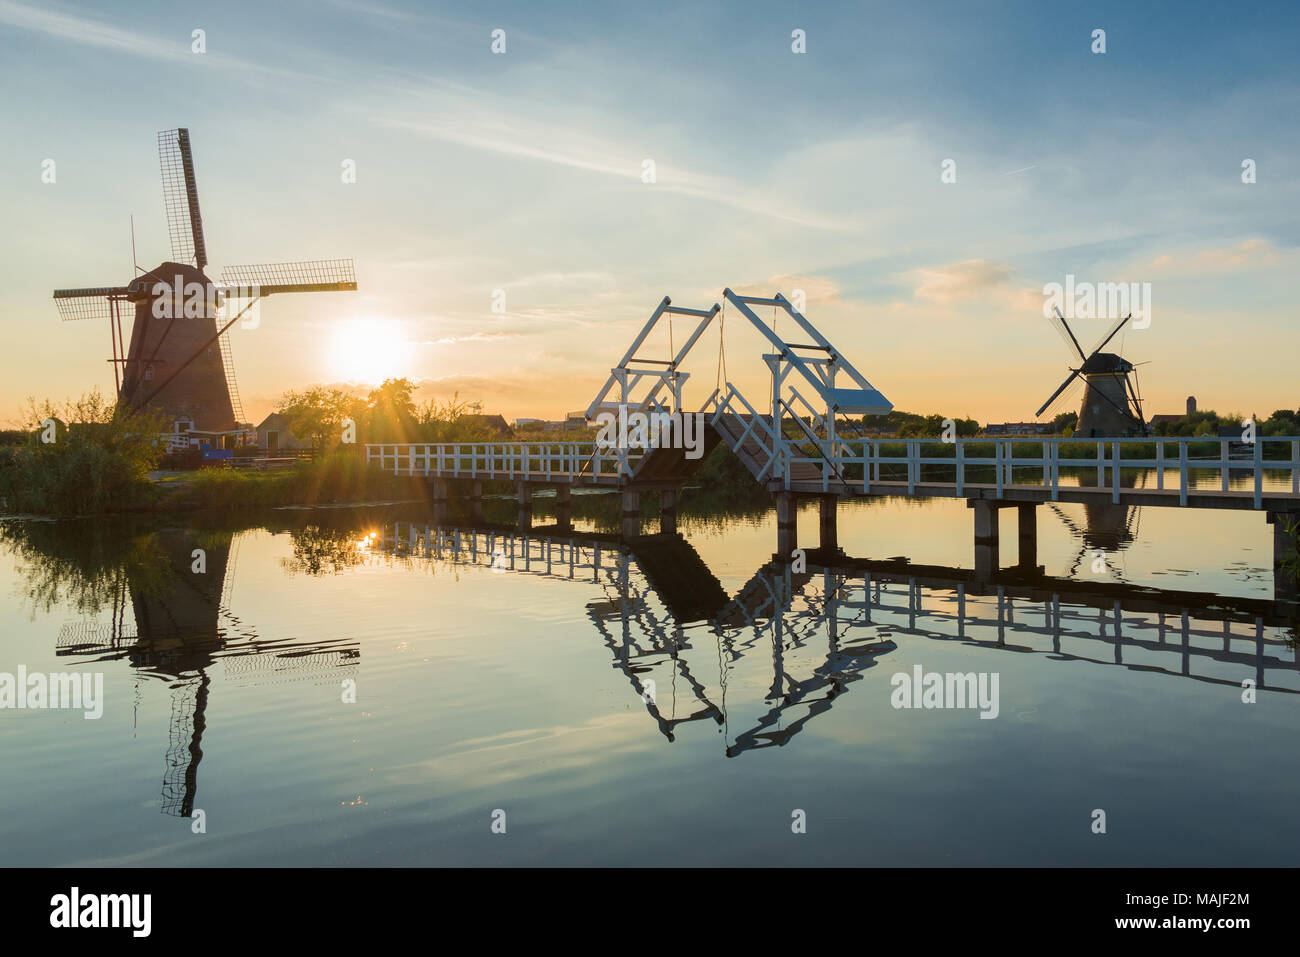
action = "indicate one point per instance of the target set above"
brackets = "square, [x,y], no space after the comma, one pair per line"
[517,179]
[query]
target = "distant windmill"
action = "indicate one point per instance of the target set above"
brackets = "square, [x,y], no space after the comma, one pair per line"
[178,361]
[1111,403]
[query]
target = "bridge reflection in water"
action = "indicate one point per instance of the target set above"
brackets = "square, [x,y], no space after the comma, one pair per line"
[827,624]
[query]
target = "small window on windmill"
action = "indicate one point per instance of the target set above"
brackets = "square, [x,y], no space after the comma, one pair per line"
[148,373]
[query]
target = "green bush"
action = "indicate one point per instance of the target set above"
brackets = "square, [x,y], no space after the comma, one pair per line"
[97,460]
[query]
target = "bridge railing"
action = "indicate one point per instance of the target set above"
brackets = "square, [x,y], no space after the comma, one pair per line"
[895,460]
[529,461]
[1269,464]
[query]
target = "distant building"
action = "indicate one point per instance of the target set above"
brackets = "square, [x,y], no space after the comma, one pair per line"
[1191,405]
[494,425]
[1018,428]
[273,433]
[1168,419]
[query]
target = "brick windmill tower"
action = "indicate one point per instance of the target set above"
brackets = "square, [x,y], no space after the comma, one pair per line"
[178,359]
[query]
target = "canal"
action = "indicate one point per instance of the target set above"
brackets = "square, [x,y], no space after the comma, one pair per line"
[360,686]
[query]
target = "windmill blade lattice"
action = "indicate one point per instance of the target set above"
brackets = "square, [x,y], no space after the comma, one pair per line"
[181,198]
[92,303]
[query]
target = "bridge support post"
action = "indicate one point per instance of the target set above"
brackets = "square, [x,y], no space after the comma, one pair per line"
[475,494]
[986,537]
[564,506]
[631,513]
[1027,554]
[787,530]
[524,500]
[440,500]
[668,512]
[1286,588]
[826,522]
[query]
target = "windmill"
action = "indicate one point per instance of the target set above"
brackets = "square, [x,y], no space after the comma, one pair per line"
[178,361]
[1111,403]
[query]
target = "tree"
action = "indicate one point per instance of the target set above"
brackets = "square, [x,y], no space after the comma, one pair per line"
[1066,420]
[391,413]
[318,413]
[449,421]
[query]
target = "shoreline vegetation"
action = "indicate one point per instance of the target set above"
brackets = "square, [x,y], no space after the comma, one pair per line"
[92,457]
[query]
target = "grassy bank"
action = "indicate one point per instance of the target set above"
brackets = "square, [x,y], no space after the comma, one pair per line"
[332,480]
[89,480]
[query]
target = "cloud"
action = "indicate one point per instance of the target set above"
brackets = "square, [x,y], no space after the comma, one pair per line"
[962,280]
[584,280]
[475,337]
[1249,254]
[466,117]
[817,290]
[96,33]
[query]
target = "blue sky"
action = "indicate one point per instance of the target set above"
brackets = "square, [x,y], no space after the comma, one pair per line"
[818,171]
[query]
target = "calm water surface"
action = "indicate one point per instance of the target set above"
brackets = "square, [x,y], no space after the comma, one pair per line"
[673,704]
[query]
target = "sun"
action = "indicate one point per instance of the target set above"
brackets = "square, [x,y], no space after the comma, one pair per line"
[367,350]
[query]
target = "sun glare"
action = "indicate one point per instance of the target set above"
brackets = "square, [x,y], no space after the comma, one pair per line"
[367,350]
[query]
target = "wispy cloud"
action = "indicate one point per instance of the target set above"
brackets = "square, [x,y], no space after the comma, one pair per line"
[817,290]
[469,118]
[1248,254]
[960,280]
[97,33]
[474,337]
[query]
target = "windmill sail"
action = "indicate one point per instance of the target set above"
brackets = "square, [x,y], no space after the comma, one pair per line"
[92,303]
[1067,334]
[1110,335]
[321,275]
[1064,385]
[181,198]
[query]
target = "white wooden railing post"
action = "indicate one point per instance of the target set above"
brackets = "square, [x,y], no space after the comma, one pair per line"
[1114,472]
[1259,471]
[1056,469]
[1182,471]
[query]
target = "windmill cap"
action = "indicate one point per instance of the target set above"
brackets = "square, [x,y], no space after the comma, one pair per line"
[1104,362]
[142,287]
